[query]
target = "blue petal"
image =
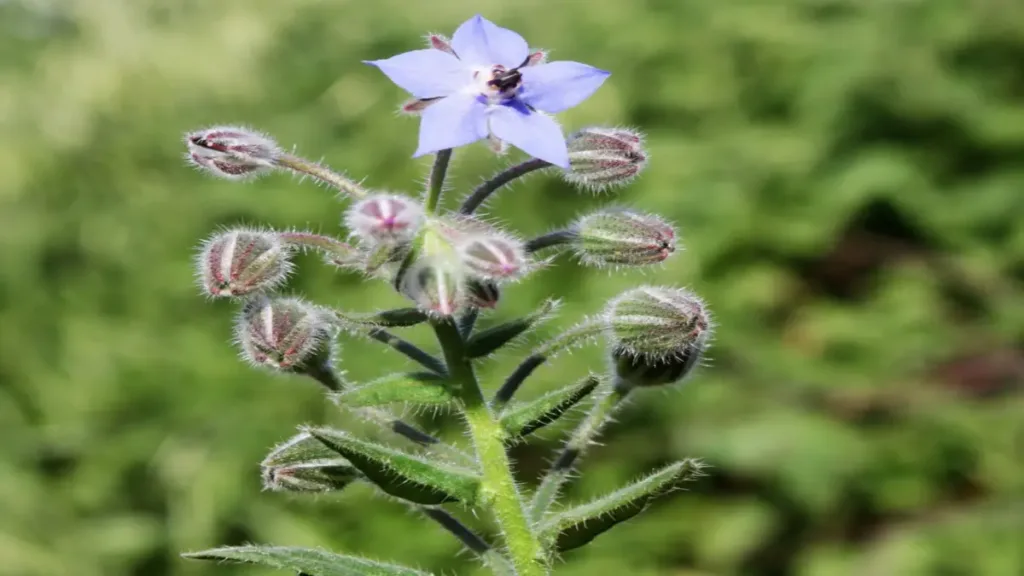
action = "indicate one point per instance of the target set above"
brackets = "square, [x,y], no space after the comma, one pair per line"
[480,42]
[560,85]
[425,73]
[533,133]
[454,121]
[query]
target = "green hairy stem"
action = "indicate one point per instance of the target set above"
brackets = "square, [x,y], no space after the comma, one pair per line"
[321,173]
[500,493]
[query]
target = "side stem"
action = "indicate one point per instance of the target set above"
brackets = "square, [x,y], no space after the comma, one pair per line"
[500,489]
[484,191]
[321,173]
[585,433]
[436,183]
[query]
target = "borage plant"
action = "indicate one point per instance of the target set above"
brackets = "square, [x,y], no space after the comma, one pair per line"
[483,83]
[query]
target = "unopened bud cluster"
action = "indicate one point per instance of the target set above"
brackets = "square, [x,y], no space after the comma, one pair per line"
[658,334]
[616,237]
[230,152]
[600,158]
[462,262]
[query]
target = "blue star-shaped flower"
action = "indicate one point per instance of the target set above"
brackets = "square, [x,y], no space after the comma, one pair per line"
[486,84]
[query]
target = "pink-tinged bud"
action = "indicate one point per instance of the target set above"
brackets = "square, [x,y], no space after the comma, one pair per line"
[482,294]
[604,157]
[287,334]
[439,42]
[658,334]
[436,286]
[232,153]
[385,218]
[622,237]
[242,262]
[493,257]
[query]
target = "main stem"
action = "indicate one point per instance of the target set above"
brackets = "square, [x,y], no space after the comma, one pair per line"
[499,487]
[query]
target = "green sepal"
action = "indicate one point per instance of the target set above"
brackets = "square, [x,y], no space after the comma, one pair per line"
[579,525]
[492,339]
[399,317]
[413,388]
[524,418]
[305,561]
[400,474]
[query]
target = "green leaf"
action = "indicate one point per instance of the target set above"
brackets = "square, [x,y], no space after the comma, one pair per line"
[400,317]
[524,418]
[304,560]
[400,474]
[487,341]
[577,526]
[415,388]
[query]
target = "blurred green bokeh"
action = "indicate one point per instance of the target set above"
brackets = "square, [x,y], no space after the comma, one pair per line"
[848,176]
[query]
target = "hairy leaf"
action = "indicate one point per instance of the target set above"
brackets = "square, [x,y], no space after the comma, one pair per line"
[415,388]
[400,317]
[524,418]
[492,339]
[577,526]
[400,474]
[305,561]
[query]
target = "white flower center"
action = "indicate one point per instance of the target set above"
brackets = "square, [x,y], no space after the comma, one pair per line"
[497,83]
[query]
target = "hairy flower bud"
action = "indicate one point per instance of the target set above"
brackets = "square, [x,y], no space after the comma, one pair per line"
[482,294]
[622,237]
[658,334]
[385,218]
[493,256]
[304,464]
[603,157]
[232,153]
[435,285]
[283,333]
[240,262]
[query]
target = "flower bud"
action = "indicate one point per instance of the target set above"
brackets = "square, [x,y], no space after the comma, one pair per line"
[656,322]
[493,257]
[603,157]
[623,237]
[232,153]
[435,285]
[658,334]
[284,333]
[482,294]
[240,262]
[304,464]
[385,218]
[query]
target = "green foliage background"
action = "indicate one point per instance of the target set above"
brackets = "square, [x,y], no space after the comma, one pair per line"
[848,176]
